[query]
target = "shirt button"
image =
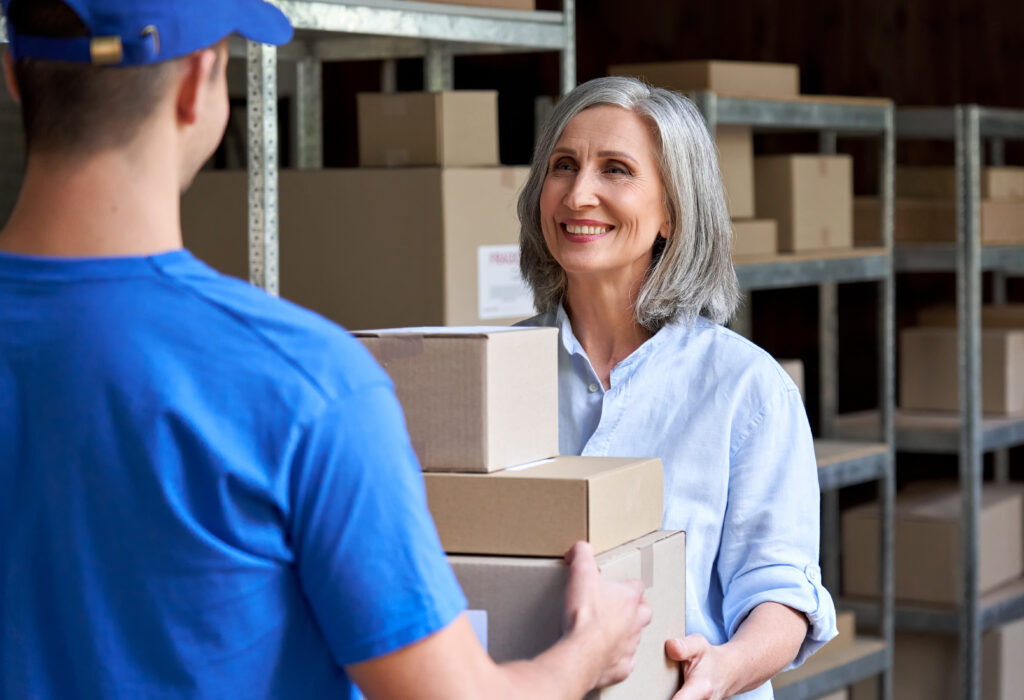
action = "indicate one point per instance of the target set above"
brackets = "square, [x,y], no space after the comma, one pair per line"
[592,388]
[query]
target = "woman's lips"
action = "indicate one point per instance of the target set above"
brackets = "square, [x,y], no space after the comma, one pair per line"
[585,228]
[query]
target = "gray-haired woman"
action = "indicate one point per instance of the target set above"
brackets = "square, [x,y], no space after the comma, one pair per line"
[625,241]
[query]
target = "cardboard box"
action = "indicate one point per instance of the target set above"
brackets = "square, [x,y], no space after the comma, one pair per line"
[841,694]
[811,198]
[846,623]
[736,162]
[928,370]
[378,248]
[924,220]
[732,78]
[519,603]
[927,546]
[453,128]
[1001,316]
[1002,183]
[795,369]
[927,667]
[475,399]
[754,237]
[541,510]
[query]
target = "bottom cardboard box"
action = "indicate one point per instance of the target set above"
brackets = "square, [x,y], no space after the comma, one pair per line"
[754,237]
[926,667]
[517,604]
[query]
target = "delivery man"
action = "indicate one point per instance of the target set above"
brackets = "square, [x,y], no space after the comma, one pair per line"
[207,492]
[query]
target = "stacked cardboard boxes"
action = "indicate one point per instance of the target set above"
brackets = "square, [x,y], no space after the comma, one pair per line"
[425,233]
[790,203]
[482,411]
[925,210]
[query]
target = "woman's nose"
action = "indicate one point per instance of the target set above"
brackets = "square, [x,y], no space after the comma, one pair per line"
[583,193]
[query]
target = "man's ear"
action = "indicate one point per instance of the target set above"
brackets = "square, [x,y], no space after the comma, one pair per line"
[10,78]
[196,70]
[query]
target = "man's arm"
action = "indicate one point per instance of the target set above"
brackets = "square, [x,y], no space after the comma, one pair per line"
[603,625]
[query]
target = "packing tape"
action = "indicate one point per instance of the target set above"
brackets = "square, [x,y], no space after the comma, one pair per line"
[396,346]
[647,565]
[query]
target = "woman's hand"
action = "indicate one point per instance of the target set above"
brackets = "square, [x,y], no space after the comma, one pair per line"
[706,671]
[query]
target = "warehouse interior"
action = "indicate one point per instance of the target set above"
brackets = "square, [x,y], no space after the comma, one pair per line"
[904,305]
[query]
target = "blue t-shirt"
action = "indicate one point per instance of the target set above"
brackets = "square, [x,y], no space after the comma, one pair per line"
[207,492]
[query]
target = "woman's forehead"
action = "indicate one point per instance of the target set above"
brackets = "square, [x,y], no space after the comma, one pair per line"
[608,127]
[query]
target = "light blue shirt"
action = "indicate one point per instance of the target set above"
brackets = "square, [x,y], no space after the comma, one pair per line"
[740,473]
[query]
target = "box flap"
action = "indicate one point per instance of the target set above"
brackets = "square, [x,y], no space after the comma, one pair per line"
[573,467]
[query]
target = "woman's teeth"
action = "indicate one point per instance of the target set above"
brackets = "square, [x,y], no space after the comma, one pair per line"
[586,230]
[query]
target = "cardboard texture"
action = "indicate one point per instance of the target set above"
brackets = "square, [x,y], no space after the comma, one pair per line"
[927,552]
[474,400]
[1002,183]
[927,667]
[795,370]
[1002,316]
[736,162]
[524,599]
[934,221]
[732,78]
[543,509]
[809,196]
[754,237]
[348,252]
[928,370]
[452,128]
[841,694]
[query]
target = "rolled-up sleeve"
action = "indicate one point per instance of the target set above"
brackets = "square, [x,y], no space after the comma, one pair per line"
[770,536]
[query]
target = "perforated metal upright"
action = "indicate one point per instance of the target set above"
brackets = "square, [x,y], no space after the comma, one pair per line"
[339,30]
[832,118]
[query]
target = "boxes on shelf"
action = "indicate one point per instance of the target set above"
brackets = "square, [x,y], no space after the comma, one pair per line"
[811,198]
[378,248]
[457,128]
[928,370]
[926,666]
[1000,183]
[992,316]
[795,370]
[475,399]
[736,162]
[754,237]
[518,604]
[927,549]
[731,78]
[923,220]
[542,509]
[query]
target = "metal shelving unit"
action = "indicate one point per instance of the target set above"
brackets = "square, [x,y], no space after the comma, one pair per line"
[840,464]
[967,433]
[369,29]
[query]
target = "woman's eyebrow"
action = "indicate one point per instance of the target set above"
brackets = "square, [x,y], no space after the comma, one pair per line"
[622,155]
[563,149]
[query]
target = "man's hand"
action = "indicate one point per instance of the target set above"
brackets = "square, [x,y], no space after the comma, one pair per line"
[704,667]
[609,615]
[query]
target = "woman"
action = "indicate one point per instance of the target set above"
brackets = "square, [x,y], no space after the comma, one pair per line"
[625,241]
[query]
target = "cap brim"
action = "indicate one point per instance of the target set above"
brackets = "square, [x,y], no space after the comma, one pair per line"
[264,23]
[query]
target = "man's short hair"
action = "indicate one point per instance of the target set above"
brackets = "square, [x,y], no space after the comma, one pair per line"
[76,108]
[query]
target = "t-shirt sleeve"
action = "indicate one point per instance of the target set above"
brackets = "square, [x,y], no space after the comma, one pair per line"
[367,552]
[769,550]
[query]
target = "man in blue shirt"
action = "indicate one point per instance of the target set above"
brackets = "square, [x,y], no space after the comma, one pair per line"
[207,492]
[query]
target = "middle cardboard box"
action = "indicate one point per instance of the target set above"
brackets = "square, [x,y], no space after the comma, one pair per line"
[542,509]
[475,399]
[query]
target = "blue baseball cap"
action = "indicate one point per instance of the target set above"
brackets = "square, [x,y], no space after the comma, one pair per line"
[140,32]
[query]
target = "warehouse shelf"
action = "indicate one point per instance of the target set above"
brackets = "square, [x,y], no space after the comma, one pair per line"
[828,671]
[933,432]
[968,434]
[941,257]
[998,607]
[805,269]
[845,463]
[840,464]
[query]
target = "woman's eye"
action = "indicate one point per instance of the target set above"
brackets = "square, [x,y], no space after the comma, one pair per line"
[617,169]
[562,165]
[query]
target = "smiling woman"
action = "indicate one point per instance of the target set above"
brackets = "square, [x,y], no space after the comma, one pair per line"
[625,241]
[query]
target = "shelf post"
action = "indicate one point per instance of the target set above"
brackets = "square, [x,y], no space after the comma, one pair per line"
[438,68]
[309,112]
[568,73]
[261,64]
[968,275]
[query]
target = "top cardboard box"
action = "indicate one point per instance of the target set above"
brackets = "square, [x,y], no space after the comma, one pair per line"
[475,399]
[452,129]
[732,78]
[998,183]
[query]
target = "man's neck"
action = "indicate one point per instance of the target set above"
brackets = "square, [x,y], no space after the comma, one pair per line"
[112,204]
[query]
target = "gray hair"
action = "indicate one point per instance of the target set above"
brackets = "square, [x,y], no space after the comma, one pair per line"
[691,272]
